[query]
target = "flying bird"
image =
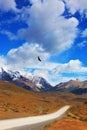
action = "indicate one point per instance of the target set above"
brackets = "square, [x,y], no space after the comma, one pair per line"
[39,59]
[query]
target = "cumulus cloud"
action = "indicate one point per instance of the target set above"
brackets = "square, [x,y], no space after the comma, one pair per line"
[77,5]
[3,63]
[72,70]
[48,28]
[21,60]
[63,72]
[26,55]
[6,5]
[48,32]
[71,66]
[42,73]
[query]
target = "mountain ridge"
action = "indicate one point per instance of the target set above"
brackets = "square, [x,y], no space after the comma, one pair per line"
[34,84]
[74,86]
[39,84]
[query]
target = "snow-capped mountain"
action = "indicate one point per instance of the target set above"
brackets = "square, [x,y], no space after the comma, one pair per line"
[41,83]
[5,75]
[35,83]
[10,75]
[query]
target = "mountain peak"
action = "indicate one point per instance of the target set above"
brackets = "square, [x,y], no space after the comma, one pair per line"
[2,70]
[74,86]
[35,83]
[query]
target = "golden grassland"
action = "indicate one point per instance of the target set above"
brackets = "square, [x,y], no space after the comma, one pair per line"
[17,102]
[75,119]
[67,124]
[76,116]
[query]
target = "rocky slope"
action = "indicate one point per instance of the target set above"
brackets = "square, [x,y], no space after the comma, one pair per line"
[34,83]
[74,86]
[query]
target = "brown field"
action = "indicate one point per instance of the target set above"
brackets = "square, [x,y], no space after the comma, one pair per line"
[67,124]
[76,116]
[17,102]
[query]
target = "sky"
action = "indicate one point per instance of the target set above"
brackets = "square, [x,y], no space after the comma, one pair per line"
[54,30]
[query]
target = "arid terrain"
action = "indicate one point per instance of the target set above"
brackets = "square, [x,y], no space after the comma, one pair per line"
[18,102]
[67,124]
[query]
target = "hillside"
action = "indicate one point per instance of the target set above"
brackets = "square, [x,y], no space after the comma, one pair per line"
[74,86]
[18,102]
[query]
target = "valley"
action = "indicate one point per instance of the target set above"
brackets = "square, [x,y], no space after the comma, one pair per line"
[17,101]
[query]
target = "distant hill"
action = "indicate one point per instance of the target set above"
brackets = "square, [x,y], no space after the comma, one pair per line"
[74,86]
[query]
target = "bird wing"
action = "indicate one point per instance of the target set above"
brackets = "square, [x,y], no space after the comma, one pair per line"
[39,58]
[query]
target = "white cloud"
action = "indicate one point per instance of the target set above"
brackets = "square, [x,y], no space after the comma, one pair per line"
[39,7]
[62,78]
[63,72]
[77,5]
[71,66]
[82,44]
[6,5]
[48,28]
[48,33]
[84,33]
[21,59]
[26,55]
[3,63]
[42,73]
[10,35]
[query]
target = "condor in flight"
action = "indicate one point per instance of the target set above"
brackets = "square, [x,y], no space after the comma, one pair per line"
[39,59]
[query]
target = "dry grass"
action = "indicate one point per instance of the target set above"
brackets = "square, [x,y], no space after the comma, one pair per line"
[78,111]
[67,124]
[76,118]
[18,102]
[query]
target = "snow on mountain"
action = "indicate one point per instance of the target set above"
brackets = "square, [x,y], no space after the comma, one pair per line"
[31,83]
[36,83]
[14,75]
[41,83]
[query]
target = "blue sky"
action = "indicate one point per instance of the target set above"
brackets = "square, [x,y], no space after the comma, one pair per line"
[55,30]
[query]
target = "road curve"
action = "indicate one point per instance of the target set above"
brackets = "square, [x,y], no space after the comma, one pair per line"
[34,120]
